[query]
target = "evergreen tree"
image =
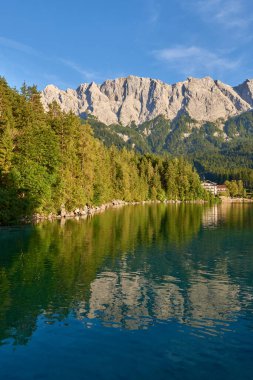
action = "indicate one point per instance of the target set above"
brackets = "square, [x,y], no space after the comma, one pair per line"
[50,159]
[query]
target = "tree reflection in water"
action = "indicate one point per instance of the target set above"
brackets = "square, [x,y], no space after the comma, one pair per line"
[129,268]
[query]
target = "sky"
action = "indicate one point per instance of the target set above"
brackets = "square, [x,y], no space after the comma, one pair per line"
[66,43]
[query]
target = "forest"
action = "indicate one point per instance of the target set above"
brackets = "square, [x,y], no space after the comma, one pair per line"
[220,151]
[52,159]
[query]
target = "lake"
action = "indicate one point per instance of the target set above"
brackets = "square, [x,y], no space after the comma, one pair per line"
[141,292]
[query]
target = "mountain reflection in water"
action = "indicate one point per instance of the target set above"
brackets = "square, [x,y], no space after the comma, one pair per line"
[131,268]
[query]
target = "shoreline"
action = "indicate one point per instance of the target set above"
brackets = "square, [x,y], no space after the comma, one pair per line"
[92,210]
[235,200]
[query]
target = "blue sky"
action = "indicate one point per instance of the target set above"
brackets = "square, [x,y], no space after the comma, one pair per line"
[70,42]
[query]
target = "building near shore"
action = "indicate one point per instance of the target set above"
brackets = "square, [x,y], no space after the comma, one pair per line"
[222,189]
[210,186]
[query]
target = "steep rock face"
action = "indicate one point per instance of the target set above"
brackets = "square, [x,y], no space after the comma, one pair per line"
[135,99]
[66,99]
[245,90]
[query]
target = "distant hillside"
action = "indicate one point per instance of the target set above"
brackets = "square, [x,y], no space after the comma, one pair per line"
[218,150]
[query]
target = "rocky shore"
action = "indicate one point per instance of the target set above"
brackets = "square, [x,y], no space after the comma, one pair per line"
[235,200]
[91,210]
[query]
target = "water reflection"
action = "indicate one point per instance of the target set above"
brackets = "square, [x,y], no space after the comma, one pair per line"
[132,301]
[130,268]
[234,215]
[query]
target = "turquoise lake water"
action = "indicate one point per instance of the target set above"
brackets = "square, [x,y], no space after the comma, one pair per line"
[141,292]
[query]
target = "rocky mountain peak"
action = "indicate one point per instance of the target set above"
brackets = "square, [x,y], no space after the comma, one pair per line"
[137,99]
[245,91]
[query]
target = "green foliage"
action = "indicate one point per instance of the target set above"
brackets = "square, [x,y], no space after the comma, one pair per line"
[241,125]
[218,153]
[119,136]
[52,159]
[235,188]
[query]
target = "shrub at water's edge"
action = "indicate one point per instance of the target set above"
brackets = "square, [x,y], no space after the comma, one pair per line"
[51,159]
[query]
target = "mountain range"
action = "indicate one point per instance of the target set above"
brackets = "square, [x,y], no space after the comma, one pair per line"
[137,100]
[204,120]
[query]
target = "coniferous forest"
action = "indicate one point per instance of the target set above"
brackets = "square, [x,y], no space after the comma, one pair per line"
[220,151]
[50,159]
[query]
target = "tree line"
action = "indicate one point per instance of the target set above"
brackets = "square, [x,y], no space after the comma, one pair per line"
[219,150]
[50,159]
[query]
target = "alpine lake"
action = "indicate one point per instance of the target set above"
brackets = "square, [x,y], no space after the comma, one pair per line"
[139,292]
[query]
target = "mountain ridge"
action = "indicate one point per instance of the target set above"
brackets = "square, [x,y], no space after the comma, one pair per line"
[137,99]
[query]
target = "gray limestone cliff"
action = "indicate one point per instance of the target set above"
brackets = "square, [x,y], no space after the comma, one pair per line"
[245,90]
[135,99]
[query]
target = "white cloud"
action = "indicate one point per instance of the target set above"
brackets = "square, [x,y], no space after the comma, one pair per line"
[23,48]
[14,45]
[153,12]
[194,60]
[86,74]
[228,13]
